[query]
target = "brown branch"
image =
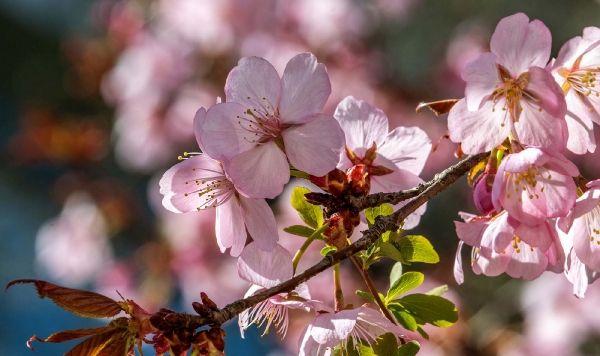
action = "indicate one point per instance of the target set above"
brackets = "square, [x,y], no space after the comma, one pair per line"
[382,224]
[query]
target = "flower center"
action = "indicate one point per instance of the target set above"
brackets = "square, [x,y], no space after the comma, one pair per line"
[261,121]
[593,223]
[583,80]
[213,188]
[527,181]
[510,92]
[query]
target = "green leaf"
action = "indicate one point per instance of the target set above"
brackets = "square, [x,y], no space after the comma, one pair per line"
[403,317]
[423,333]
[395,273]
[388,250]
[408,281]
[372,213]
[365,295]
[310,214]
[299,230]
[439,291]
[409,349]
[386,344]
[416,248]
[362,349]
[327,250]
[430,309]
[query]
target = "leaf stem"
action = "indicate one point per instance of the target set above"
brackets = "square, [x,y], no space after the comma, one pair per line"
[307,243]
[337,284]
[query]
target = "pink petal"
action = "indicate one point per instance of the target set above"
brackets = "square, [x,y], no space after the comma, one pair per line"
[329,329]
[479,131]
[536,236]
[229,228]
[407,147]
[307,346]
[577,275]
[498,235]
[305,88]
[547,91]
[569,52]
[521,161]
[459,275]
[375,324]
[560,164]
[520,44]
[537,128]
[494,266]
[585,241]
[221,134]
[261,172]
[481,75]
[260,222]
[315,146]
[362,123]
[265,269]
[580,126]
[396,181]
[253,83]
[198,121]
[560,194]
[529,263]
[471,232]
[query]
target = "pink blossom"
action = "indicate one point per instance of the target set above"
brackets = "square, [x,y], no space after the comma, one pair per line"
[265,270]
[575,70]
[583,227]
[503,244]
[393,159]
[329,328]
[535,184]
[508,92]
[267,120]
[200,182]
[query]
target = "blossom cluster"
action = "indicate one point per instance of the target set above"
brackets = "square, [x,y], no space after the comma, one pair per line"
[528,111]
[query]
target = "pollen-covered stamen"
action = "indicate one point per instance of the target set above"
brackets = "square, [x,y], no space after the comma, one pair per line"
[213,190]
[584,80]
[187,155]
[592,221]
[271,313]
[512,93]
[261,121]
[529,181]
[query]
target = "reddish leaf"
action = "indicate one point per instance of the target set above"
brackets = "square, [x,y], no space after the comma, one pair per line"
[79,302]
[438,107]
[67,335]
[100,344]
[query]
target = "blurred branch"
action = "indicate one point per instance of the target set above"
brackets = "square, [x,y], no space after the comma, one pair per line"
[422,193]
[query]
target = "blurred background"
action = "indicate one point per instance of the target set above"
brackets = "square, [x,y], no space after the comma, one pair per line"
[97,99]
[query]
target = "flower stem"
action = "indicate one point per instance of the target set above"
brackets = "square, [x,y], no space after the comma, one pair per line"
[339,295]
[373,290]
[307,243]
[298,174]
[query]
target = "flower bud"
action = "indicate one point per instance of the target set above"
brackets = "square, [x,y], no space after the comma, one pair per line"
[358,177]
[334,182]
[482,194]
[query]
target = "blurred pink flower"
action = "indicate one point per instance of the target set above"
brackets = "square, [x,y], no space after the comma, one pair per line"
[575,70]
[509,92]
[267,120]
[265,270]
[73,248]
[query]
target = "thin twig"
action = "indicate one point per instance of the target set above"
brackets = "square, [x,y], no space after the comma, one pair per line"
[382,224]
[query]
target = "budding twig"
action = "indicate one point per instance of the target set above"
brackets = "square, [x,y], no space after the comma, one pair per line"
[426,191]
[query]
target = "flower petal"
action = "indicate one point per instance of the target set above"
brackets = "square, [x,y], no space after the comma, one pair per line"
[479,131]
[520,44]
[537,128]
[527,262]
[585,240]
[459,275]
[198,121]
[266,269]
[498,235]
[396,181]
[253,83]
[221,134]
[260,222]
[548,93]
[229,227]
[315,146]
[362,123]
[407,147]
[481,75]
[260,172]
[305,88]
[536,236]
[329,329]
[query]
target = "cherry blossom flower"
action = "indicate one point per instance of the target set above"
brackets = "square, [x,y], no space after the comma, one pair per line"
[200,182]
[392,160]
[509,93]
[575,70]
[265,270]
[267,120]
[577,273]
[535,184]
[503,244]
[583,227]
[329,328]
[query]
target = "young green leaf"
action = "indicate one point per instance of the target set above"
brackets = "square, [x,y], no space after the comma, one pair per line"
[310,214]
[404,318]
[366,295]
[388,250]
[423,333]
[416,248]
[409,349]
[327,250]
[372,213]
[395,273]
[299,230]
[439,291]
[430,309]
[408,281]
[386,344]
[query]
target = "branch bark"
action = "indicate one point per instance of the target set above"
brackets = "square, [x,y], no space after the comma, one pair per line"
[422,193]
